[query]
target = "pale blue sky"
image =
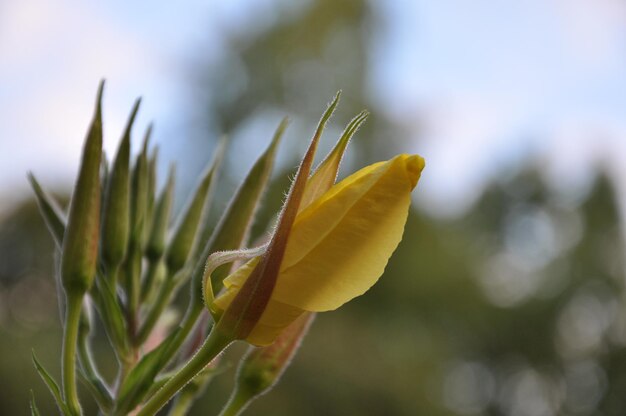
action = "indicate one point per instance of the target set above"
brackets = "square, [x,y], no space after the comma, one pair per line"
[500,81]
[488,83]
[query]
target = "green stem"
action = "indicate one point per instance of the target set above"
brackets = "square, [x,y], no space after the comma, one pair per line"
[163,297]
[133,270]
[112,276]
[189,321]
[237,403]
[187,396]
[85,357]
[70,338]
[147,286]
[213,345]
[182,404]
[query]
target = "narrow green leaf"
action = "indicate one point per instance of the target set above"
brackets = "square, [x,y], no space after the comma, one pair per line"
[87,370]
[34,411]
[116,211]
[98,390]
[112,315]
[51,384]
[50,211]
[141,377]
[186,228]
[80,242]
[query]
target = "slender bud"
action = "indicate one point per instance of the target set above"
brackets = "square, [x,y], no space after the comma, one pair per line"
[80,242]
[156,241]
[115,215]
[262,368]
[151,192]
[139,193]
[186,229]
[231,232]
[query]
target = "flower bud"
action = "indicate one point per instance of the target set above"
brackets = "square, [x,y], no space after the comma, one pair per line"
[261,368]
[246,307]
[156,241]
[337,249]
[186,229]
[139,194]
[115,215]
[80,241]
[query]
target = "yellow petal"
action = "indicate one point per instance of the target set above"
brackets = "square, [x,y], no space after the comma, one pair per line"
[239,276]
[276,316]
[340,245]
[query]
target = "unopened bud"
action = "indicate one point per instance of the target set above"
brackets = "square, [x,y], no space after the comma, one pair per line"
[158,232]
[115,215]
[186,229]
[80,242]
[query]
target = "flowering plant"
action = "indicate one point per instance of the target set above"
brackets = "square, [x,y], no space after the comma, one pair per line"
[331,243]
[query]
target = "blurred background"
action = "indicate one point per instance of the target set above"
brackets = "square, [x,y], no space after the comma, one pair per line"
[506,296]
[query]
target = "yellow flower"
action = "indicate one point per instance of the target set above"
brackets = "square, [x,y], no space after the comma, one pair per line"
[336,248]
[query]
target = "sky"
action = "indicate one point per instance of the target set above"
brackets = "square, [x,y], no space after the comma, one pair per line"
[502,82]
[494,83]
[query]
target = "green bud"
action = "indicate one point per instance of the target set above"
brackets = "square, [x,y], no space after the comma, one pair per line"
[80,243]
[156,242]
[231,232]
[115,220]
[151,192]
[261,368]
[139,192]
[186,229]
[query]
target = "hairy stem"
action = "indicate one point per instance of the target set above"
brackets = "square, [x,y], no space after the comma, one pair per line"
[213,345]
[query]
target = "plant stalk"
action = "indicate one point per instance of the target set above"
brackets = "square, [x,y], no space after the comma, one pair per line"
[70,339]
[236,404]
[215,343]
[155,312]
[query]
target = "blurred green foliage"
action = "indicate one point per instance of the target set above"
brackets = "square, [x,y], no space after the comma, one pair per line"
[515,308]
